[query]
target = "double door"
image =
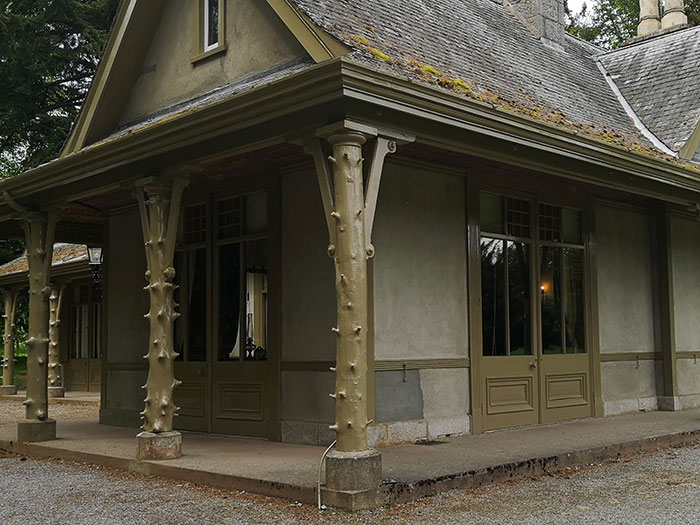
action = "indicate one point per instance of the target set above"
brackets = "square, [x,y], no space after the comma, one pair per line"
[227,364]
[534,363]
[82,369]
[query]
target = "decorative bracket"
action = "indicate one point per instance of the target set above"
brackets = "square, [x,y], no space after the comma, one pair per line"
[382,149]
[312,146]
[384,146]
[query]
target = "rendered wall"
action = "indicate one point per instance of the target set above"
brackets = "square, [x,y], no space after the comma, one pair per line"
[626,310]
[127,330]
[420,304]
[685,251]
[308,314]
[257,41]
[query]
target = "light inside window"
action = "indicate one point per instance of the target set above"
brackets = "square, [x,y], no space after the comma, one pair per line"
[211,24]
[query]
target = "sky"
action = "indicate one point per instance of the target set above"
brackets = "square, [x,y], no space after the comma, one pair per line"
[575,5]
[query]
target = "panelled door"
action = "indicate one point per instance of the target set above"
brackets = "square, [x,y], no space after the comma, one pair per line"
[534,364]
[227,369]
[82,370]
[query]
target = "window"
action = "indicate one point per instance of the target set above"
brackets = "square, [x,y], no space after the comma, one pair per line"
[508,253]
[211,25]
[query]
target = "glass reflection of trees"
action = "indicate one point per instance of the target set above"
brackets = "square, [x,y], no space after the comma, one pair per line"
[505,277]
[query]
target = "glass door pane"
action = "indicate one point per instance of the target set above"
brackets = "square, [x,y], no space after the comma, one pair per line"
[493,308]
[519,329]
[574,301]
[551,305]
[229,302]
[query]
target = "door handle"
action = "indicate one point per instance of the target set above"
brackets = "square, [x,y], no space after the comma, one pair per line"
[533,365]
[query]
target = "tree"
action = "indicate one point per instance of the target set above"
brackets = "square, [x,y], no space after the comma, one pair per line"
[49,50]
[610,23]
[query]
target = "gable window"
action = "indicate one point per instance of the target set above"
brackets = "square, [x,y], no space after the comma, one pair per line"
[211,24]
[210,35]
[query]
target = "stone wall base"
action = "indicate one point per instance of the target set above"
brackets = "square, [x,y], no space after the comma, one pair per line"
[627,406]
[166,445]
[33,430]
[352,480]
[57,391]
[380,434]
[8,390]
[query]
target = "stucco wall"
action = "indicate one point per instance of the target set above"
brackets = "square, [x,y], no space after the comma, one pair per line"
[626,308]
[685,251]
[257,41]
[420,290]
[127,330]
[419,304]
[308,312]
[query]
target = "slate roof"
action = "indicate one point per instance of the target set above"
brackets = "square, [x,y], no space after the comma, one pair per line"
[660,79]
[62,254]
[484,44]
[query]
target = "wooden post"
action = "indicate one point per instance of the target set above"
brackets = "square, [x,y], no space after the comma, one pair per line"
[353,470]
[350,256]
[159,219]
[39,230]
[8,361]
[55,381]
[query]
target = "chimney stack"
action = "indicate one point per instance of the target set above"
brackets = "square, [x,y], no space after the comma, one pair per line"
[674,14]
[649,19]
[545,18]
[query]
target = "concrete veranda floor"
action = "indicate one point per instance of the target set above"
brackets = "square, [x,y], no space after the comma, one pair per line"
[71,397]
[409,471]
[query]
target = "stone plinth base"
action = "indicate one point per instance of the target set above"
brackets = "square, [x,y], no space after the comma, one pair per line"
[352,480]
[32,430]
[669,403]
[57,391]
[166,445]
[9,390]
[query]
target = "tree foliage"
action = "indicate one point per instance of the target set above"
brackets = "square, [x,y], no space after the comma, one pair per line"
[49,51]
[610,23]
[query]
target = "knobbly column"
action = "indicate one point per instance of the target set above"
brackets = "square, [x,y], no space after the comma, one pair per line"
[8,361]
[160,208]
[353,471]
[39,230]
[55,381]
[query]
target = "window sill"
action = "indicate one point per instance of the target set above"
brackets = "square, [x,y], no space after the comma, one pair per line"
[201,56]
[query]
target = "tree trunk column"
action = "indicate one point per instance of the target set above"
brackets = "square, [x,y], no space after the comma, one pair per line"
[55,381]
[39,232]
[8,387]
[159,219]
[353,471]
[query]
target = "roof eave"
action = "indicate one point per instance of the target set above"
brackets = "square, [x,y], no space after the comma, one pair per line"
[333,80]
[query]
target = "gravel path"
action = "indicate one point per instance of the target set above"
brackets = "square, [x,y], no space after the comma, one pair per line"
[657,488]
[12,410]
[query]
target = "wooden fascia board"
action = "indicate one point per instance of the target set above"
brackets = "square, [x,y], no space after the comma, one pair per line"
[390,91]
[692,145]
[317,43]
[128,44]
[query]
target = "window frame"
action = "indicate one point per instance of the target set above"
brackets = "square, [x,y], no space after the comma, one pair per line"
[201,49]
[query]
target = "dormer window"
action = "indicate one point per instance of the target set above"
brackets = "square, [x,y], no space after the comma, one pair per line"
[211,25]
[211,19]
